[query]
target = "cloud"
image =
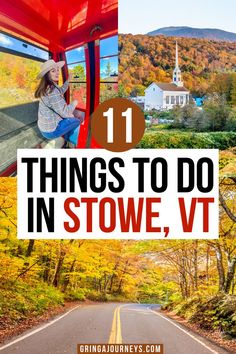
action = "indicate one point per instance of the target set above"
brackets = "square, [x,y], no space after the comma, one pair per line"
[4,40]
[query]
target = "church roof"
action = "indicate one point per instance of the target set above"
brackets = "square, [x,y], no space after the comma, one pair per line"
[165,86]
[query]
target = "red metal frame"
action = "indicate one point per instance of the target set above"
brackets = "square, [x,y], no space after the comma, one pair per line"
[94,144]
[97,73]
[84,128]
[59,25]
[9,170]
[65,75]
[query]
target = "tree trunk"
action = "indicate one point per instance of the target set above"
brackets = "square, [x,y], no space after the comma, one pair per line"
[67,277]
[113,277]
[220,267]
[230,274]
[111,282]
[106,282]
[30,248]
[57,274]
[100,285]
[207,264]
[46,272]
[119,290]
[226,208]
[195,262]
[184,277]
[233,287]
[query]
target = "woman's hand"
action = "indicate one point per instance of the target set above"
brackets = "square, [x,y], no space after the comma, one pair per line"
[75,102]
[79,114]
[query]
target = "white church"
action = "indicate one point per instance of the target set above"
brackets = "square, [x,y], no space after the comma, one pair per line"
[163,96]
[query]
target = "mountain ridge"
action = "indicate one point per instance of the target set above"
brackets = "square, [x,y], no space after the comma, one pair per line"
[192,32]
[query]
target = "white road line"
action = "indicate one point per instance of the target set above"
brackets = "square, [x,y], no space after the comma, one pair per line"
[38,329]
[142,312]
[186,332]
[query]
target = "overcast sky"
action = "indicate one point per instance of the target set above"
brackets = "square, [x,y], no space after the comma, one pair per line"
[142,16]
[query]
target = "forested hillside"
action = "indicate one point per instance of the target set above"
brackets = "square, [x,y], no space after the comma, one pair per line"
[206,65]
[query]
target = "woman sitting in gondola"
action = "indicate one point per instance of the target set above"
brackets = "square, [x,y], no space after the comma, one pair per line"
[56,118]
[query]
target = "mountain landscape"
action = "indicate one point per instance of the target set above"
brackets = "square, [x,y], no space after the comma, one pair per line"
[190,32]
[206,64]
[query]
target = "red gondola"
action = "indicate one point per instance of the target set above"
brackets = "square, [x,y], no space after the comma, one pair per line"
[58,27]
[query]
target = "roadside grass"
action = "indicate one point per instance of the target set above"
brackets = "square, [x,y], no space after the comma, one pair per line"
[210,313]
[20,300]
[155,138]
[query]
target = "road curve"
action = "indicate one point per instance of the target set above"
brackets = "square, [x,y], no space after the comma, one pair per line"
[110,323]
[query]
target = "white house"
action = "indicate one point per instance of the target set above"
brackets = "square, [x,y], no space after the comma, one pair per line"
[163,96]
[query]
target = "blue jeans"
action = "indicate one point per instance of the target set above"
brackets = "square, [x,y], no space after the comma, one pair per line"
[69,127]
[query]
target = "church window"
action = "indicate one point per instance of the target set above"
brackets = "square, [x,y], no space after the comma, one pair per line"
[172,99]
[187,98]
[167,99]
[181,99]
[177,99]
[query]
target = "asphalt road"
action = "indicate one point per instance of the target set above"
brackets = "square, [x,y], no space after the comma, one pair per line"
[109,323]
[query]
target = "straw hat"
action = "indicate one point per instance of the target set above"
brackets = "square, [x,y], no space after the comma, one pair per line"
[49,65]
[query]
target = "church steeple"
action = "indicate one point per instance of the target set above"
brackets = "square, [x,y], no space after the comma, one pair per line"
[177,72]
[176,55]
